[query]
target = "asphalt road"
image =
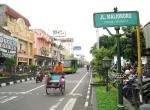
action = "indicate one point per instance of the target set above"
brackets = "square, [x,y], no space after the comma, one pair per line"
[32,96]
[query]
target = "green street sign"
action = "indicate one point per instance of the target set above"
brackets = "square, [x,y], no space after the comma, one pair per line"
[112,19]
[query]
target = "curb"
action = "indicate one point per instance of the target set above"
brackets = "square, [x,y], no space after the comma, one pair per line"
[15,82]
[87,104]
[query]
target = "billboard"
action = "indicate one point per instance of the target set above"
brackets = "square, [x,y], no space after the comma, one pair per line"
[147,35]
[66,40]
[59,33]
[77,48]
[8,46]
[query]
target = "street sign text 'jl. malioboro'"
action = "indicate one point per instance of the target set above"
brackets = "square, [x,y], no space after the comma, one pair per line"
[112,19]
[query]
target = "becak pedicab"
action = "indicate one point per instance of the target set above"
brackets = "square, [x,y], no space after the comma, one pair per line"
[55,81]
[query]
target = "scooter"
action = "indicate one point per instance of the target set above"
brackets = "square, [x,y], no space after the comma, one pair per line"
[39,77]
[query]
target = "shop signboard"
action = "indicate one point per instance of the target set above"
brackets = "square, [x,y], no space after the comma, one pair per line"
[8,46]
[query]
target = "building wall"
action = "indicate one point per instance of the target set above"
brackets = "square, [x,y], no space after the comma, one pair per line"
[41,40]
[25,40]
[2,15]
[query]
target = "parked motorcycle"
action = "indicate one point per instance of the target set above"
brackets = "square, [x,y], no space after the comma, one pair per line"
[131,90]
[144,107]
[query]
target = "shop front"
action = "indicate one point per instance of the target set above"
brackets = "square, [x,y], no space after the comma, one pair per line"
[42,61]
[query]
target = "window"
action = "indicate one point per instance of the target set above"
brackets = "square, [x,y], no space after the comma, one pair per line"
[20,46]
[67,64]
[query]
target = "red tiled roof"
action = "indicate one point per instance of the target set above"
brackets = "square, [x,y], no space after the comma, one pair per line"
[16,15]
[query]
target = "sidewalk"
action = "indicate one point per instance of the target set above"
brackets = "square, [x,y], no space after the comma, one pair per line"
[94,101]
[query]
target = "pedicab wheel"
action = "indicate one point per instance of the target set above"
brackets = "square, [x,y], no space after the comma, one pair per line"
[36,80]
[47,90]
[62,89]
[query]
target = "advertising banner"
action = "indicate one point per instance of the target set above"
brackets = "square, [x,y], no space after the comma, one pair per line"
[8,46]
[147,35]
[77,48]
[66,40]
[59,33]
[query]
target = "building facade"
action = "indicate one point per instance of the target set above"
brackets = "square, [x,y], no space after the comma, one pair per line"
[42,50]
[18,25]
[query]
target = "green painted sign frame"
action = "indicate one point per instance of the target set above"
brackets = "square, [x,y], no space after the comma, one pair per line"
[112,19]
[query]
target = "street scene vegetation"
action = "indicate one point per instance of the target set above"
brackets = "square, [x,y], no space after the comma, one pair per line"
[108,47]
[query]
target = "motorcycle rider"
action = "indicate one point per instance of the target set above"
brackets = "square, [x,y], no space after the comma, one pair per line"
[88,66]
[40,72]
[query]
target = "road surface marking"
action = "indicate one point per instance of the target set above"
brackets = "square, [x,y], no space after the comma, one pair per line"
[61,99]
[34,89]
[54,106]
[87,97]
[3,84]
[70,104]
[86,104]
[2,97]
[18,98]
[77,84]
[75,94]
[66,76]
[75,81]
[31,81]
[12,92]
[88,92]
[7,99]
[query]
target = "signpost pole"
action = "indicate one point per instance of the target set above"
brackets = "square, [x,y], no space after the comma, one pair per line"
[120,91]
[139,62]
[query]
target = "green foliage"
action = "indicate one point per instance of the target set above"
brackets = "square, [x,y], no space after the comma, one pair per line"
[53,44]
[106,41]
[9,62]
[96,63]
[126,49]
[32,68]
[45,68]
[60,47]
[109,42]
[93,48]
[44,52]
[107,100]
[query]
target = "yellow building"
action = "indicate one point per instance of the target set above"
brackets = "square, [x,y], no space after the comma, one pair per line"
[19,28]
[25,41]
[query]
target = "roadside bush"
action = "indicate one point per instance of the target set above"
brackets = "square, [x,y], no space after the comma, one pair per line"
[32,68]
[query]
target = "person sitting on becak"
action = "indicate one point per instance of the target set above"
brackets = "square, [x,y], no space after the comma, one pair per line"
[59,68]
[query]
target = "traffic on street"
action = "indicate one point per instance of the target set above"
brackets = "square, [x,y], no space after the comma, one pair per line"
[32,96]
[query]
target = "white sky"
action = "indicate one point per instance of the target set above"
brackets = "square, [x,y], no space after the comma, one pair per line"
[75,16]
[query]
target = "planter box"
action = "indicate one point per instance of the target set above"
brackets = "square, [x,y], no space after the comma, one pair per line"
[15,78]
[98,84]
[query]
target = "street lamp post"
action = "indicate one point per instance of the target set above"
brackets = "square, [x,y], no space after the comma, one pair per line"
[120,81]
[106,65]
